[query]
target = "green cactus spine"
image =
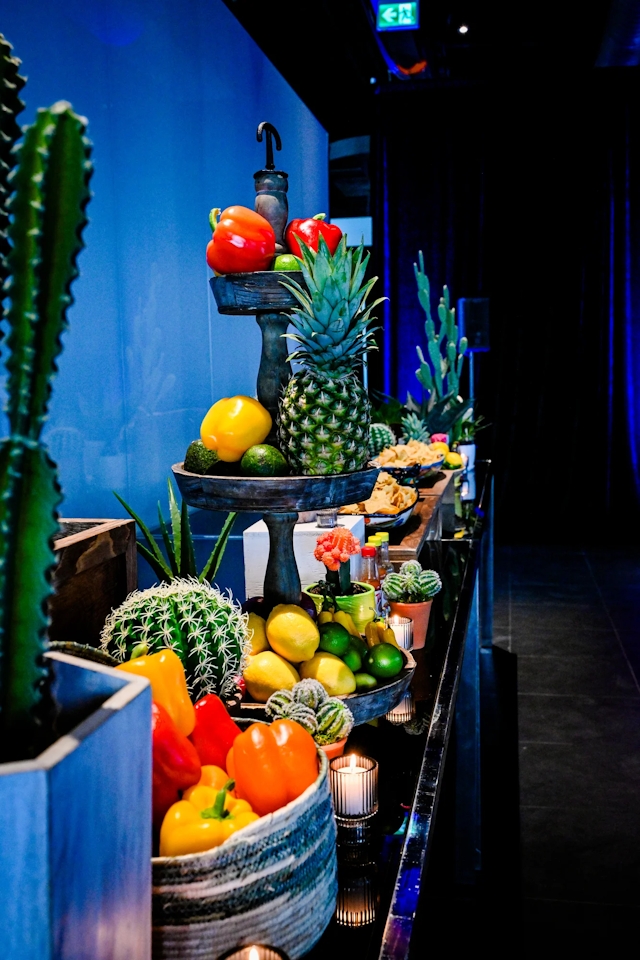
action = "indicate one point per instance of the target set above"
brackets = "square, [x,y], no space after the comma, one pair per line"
[414,428]
[206,629]
[11,83]
[380,436]
[47,207]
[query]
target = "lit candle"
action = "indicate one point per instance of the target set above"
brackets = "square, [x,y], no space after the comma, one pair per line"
[256,952]
[403,712]
[403,630]
[354,785]
[357,898]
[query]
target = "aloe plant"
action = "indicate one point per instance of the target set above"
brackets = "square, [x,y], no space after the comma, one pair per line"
[50,191]
[181,559]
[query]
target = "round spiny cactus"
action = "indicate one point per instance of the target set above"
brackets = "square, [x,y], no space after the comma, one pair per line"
[380,436]
[305,716]
[310,692]
[205,627]
[411,584]
[279,704]
[335,721]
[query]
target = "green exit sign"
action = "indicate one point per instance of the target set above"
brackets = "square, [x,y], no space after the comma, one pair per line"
[398,16]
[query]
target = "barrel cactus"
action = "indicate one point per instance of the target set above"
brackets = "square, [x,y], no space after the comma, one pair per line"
[326,718]
[206,629]
[380,436]
[411,584]
[41,233]
[310,692]
[335,721]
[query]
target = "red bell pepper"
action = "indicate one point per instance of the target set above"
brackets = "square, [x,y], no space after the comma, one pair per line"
[176,765]
[310,230]
[242,241]
[214,732]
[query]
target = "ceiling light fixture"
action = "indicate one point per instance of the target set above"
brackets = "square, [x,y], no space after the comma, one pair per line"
[463,28]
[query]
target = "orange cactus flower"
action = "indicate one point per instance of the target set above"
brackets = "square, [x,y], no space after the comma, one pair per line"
[335,547]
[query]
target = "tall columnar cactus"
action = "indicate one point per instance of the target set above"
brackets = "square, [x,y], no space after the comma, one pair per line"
[11,83]
[206,629]
[47,207]
[440,375]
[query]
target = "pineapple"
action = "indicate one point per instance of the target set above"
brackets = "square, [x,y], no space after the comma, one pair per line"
[324,413]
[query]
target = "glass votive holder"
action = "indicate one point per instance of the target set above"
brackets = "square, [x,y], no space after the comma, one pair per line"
[327,518]
[254,952]
[403,630]
[357,896]
[403,712]
[354,787]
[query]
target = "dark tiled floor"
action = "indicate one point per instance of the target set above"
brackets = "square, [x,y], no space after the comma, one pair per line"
[572,618]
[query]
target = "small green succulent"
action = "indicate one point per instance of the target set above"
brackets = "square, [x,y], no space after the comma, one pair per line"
[411,584]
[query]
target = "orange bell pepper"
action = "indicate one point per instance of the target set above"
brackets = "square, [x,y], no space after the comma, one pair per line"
[165,672]
[272,765]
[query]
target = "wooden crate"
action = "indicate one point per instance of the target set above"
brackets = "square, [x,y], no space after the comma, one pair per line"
[97,569]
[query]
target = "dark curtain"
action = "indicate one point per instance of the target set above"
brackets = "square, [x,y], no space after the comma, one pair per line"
[527,193]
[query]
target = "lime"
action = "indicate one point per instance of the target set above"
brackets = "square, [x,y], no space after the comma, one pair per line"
[263,460]
[286,261]
[384,661]
[364,682]
[334,638]
[360,646]
[352,658]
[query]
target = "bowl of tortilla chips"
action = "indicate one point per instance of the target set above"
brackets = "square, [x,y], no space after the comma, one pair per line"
[390,504]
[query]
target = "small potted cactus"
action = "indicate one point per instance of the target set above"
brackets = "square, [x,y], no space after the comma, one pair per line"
[338,591]
[326,718]
[410,593]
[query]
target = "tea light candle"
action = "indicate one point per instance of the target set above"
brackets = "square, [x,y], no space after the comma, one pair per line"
[403,630]
[357,898]
[256,952]
[354,785]
[403,712]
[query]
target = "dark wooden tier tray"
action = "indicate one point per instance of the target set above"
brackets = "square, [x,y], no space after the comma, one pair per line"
[274,494]
[247,293]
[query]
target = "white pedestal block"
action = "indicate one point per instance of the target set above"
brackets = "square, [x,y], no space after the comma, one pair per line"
[256,552]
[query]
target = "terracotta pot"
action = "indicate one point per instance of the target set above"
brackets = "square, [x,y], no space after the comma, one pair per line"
[361,606]
[419,613]
[334,750]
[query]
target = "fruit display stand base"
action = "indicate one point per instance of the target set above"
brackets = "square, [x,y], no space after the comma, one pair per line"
[280,499]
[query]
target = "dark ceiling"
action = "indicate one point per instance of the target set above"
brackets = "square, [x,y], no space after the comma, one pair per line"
[331,55]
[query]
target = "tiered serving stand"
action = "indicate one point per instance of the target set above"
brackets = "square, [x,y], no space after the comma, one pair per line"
[279,499]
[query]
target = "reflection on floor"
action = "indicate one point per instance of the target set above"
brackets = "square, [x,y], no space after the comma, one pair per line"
[571,617]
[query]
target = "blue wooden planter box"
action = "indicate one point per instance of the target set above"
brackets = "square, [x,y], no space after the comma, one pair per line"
[75,838]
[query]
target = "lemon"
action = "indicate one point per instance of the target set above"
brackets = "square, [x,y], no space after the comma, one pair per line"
[453,461]
[258,634]
[266,673]
[440,446]
[334,675]
[292,633]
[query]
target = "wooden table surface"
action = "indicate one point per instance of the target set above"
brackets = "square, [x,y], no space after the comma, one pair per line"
[406,542]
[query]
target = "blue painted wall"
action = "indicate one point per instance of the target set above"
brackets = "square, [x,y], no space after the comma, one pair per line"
[174,93]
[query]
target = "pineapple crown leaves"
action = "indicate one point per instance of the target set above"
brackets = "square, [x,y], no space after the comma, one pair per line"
[333,321]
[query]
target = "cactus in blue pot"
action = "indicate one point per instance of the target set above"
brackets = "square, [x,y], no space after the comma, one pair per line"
[43,237]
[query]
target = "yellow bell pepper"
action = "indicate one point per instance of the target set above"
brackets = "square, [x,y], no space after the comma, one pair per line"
[204,819]
[344,618]
[165,673]
[234,424]
[325,616]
